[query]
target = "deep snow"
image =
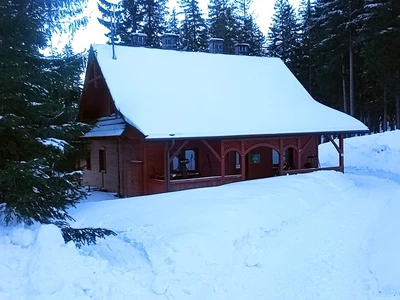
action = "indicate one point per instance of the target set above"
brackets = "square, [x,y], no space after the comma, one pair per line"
[323,235]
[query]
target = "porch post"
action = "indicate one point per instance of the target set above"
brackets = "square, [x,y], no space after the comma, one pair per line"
[166,168]
[299,150]
[280,156]
[144,173]
[341,153]
[222,162]
[243,160]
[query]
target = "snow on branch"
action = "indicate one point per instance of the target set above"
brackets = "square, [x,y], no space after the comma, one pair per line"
[53,142]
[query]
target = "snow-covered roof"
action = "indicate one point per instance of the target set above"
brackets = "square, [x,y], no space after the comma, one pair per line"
[107,126]
[167,94]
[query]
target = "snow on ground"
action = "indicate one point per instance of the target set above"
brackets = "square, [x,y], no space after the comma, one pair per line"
[323,235]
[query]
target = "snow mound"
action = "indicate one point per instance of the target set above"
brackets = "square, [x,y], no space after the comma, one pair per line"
[323,235]
[379,154]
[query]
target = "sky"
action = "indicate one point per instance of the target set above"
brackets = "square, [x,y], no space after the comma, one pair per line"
[94,32]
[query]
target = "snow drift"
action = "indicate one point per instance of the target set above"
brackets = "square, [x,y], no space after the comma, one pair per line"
[323,235]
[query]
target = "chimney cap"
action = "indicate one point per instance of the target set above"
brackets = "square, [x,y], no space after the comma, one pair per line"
[139,34]
[169,34]
[216,39]
[241,44]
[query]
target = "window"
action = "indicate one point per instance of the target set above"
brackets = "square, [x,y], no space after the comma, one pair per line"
[188,159]
[102,160]
[88,160]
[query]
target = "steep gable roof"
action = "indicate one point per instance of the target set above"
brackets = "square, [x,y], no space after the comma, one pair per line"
[167,94]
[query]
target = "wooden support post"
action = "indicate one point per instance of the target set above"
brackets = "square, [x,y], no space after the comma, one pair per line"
[242,160]
[299,152]
[280,156]
[166,168]
[222,162]
[341,153]
[144,172]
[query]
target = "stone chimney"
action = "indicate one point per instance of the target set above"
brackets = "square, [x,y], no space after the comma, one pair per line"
[242,48]
[170,41]
[139,39]
[216,45]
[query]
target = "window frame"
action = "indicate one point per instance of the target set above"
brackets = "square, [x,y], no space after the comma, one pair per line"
[102,161]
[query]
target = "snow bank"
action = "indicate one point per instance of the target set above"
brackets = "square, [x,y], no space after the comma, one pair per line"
[322,235]
[379,154]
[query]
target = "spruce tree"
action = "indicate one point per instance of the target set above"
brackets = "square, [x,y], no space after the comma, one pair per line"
[38,105]
[154,14]
[248,30]
[283,36]
[223,24]
[173,23]
[194,29]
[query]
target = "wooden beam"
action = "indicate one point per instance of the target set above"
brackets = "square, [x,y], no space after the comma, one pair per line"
[166,167]
[280,156]
[308,141]
[299,152]
[242,160]
[334,144]
[144,172]
[177,151]
[94,79]
[211,149]
[222,162]
[341,153]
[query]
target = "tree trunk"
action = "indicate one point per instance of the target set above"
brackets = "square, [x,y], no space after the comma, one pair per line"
[397,111]
[344,91]
[351,78]
[384,119]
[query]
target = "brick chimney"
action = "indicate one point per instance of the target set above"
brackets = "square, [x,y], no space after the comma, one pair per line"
[216,45]
[169,41]
[139,39]
[242,48]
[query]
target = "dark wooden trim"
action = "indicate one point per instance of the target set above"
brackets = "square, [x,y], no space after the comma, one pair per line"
[341,153]
[95,79]
[212,150]
[167,176]
[243,160]
[302,171]
[308,141]
[145,179]
[266,145]
[260,136]
[222,162]
[177,151]
[299,152]
[280,156]
[334,144]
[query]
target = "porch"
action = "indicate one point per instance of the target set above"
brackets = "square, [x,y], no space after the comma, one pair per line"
[187,164]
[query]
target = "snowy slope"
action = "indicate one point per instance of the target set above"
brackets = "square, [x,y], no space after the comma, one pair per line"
[323,235]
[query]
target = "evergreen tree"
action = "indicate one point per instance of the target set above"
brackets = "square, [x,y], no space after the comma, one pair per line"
[154,20]
[248,30]
[194,29]
[124,18]
[112,19]
[283,35]
[304,54]
[381,34]
[173,23]
[37,111]
[223,24]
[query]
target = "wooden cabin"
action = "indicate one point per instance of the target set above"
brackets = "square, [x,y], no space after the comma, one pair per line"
[167,120]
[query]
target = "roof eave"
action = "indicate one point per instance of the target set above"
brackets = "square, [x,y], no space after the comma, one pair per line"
[248,136]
